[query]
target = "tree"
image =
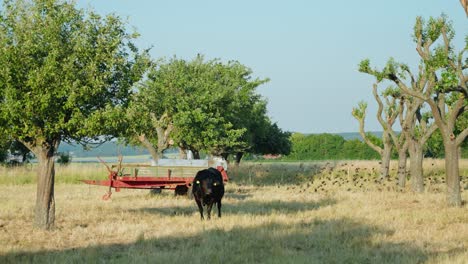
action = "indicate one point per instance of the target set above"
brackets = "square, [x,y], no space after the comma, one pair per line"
[395,108]
[219,112]
[150,115]
[199,105]
[416,128]
[66,74]
[401,141]
[445,89]
[386,122]
[4,149]
[273,140]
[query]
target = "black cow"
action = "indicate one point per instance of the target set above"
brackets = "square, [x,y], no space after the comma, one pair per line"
[208,188]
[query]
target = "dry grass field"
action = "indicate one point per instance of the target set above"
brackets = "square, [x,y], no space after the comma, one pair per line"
[335,212]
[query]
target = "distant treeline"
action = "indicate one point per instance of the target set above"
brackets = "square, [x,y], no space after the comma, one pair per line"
[342,146]
[328,147]
[336,147]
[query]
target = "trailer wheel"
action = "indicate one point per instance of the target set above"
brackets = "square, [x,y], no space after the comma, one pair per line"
[181,190]
[156,191]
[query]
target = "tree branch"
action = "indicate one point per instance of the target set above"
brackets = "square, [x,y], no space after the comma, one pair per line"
[405,89]
[461,137]
[428,134]
[464,4]
[361,119]
[457,110]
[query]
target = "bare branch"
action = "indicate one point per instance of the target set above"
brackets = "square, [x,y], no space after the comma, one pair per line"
[456,110]
[360,115]
[438,117]
[464,4]
[380,107]
[413,80]
[428,133]
[461,137]
[405,89]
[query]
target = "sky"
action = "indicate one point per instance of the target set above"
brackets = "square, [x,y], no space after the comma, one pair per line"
[309,49]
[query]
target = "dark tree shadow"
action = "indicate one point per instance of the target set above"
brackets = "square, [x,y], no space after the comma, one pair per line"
[316,241]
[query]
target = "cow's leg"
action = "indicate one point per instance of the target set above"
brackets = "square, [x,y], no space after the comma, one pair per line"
[208,209]
[200,207]
[219,208]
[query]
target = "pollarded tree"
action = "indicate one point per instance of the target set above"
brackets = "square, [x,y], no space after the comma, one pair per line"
[65,74]
[395,107]
[390,115]
[416,128]
[445,89]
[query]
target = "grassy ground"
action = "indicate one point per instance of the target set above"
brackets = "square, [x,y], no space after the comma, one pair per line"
[272,213]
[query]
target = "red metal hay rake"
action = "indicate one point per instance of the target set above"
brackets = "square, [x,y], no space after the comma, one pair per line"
[144,176]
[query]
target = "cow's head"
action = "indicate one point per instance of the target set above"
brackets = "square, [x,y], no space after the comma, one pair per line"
[207,185]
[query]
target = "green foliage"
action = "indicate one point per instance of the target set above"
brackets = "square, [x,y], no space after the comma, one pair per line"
[64,71]
[430,31]
[359,112]
[392,91]
[375,139]
[435,146]
[328,147]
[357,150]
[212,106]
[364,66]
[273,140]
[64,158]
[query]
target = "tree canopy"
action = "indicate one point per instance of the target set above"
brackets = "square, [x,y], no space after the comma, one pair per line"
[201,105]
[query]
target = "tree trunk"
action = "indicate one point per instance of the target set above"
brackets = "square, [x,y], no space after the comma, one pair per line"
[239,156]
[182,153]
[402,157]
[44,216]
[385,166]
[452,173]
[24,158]
[196,154]
[147,144]
[416,167]
[163,139]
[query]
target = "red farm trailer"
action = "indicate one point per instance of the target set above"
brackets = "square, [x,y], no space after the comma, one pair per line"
[172,176]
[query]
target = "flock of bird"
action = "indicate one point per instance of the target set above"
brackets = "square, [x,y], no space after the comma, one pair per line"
[350,177]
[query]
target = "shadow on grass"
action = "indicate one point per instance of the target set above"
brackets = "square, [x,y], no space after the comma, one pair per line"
[317,241]
[245,207]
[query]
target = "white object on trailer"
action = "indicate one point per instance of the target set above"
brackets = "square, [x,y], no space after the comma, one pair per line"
[217,161]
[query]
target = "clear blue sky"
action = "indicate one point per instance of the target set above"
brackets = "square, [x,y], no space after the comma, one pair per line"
[309,49]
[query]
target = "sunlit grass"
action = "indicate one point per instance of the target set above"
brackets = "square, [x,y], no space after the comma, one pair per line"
[72,173]
[269,216]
